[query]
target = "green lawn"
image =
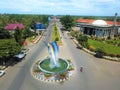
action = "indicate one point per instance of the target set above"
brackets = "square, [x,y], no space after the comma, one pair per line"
[108,48]
[55,34]
[31,38]
[113,42]
[45,65]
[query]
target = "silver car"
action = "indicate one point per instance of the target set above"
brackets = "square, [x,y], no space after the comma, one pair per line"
[2,72]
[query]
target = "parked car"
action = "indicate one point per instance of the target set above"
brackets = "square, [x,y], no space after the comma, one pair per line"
[24,50]
[2,72]
[19,56]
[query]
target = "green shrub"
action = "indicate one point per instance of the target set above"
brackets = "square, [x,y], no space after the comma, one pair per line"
[73,33]
[37,70]
[85,44]
[82,38]
[56,39]
[71,68]
[91,48]
[63,74]
[47,74]
[99,52]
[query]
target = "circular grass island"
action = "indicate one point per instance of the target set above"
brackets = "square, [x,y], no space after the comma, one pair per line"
[42,70]
[44,66]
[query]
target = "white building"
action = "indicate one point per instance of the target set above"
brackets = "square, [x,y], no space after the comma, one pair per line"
[99,28]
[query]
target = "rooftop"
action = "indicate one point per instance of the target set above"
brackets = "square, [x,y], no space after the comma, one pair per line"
[99,23]
[14,26]
[96,22]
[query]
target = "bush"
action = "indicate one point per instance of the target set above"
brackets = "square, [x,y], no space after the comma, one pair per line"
[37,70]
[63,74]
[82,38]
[73,33]
[56,39]
[91,48]
[71,68]
[85,44]
[99,52]
[47,74]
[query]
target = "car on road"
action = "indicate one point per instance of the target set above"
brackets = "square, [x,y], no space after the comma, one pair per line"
[20,56]
[24,50]
[2,72]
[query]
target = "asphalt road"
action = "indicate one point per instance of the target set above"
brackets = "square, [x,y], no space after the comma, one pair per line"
[98,74]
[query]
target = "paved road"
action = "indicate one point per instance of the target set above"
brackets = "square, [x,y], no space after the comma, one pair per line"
[98,74]
[16,76]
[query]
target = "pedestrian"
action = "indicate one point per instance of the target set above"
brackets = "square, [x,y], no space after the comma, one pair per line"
[81,69]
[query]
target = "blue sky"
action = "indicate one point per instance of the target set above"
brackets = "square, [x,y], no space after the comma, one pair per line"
[61,7]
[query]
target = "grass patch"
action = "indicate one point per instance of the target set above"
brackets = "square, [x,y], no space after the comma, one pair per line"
[31,38]
[109,49]
[56,35]
[45,65]
[115,42]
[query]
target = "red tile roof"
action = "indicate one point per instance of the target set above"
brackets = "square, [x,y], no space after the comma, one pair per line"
[90,21]
[13,26]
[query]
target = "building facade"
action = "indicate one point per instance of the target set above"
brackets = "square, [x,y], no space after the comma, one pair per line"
[98,28]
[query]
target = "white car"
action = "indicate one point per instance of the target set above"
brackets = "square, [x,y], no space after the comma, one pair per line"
[2,73]
[25,50]
[20,56]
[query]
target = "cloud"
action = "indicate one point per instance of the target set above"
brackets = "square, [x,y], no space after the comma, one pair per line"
[79,7]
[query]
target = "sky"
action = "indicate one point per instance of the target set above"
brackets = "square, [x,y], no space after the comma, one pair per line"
[61,7]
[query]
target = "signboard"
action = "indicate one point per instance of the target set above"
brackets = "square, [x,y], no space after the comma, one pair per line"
[39,26]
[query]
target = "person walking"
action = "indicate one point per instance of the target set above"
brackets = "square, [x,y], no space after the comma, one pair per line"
[81,69]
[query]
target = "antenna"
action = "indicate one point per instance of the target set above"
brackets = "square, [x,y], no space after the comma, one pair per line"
[115,19]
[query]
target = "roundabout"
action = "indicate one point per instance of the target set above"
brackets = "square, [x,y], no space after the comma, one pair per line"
[52,68]
[41,70]
[44,66]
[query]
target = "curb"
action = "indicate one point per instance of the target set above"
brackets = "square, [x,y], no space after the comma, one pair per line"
[36,76]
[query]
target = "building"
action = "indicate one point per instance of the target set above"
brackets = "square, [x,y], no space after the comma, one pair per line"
[13,26]
[99,28]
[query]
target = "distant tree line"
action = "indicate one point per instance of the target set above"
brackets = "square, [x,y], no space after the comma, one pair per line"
[23,18]
[106,18]
[69,21]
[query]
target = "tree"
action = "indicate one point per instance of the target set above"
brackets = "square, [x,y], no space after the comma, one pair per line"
[18,36]
[27,33]
[8,48]
[67,21]
[4,34]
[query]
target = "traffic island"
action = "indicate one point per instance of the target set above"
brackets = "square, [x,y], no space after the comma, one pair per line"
[42,71]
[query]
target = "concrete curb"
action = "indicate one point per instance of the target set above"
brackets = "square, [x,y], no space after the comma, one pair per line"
[38,77]
[37,38]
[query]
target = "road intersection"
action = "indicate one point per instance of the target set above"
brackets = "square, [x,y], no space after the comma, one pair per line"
[98,74]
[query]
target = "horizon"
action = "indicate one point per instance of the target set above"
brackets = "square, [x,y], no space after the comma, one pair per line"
[57,15]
